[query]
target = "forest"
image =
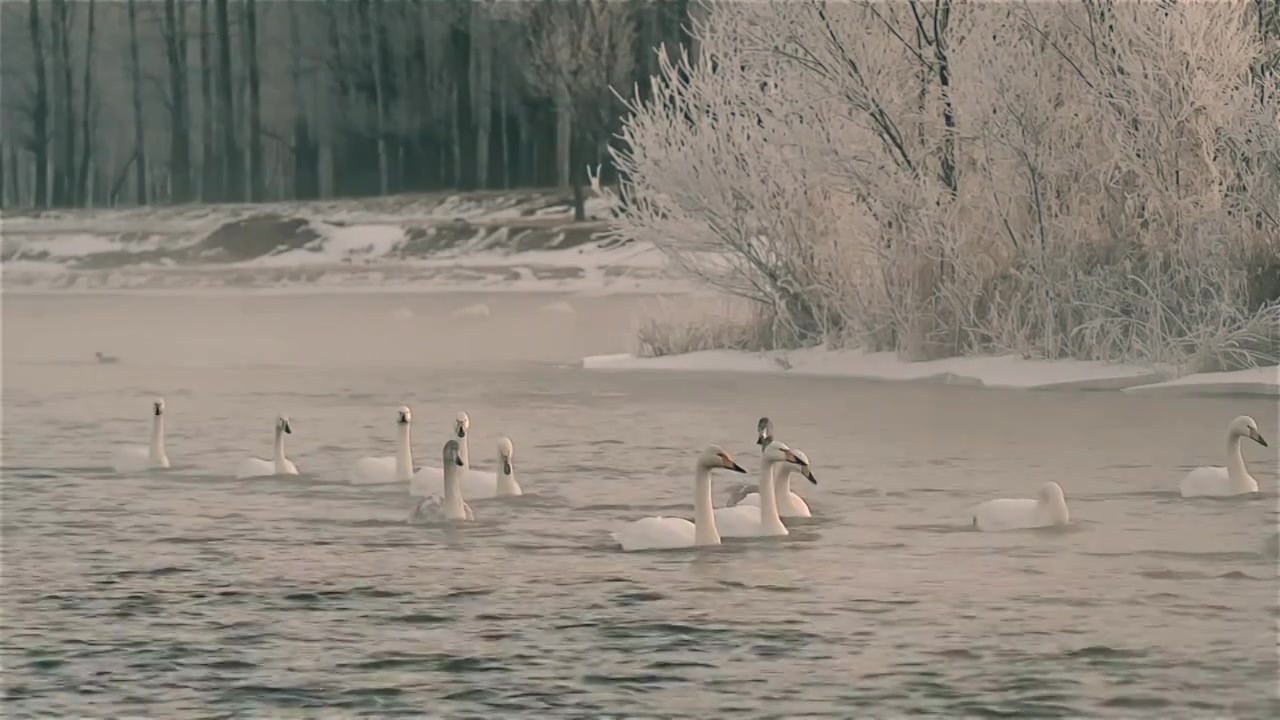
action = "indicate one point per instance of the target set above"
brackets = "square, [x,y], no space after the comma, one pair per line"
[176,101]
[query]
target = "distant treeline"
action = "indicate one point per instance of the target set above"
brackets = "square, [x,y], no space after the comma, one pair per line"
[171,101]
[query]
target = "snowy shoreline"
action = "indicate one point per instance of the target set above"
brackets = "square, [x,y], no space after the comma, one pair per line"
[1008,372]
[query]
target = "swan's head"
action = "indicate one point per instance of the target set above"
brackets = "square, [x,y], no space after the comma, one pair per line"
[405,417]
[778,452]
[714,457]
[158,406]
[282,425]
[450,454]
[1051,492]
[764,431]
[461,424]
[1244,426]
[505,453]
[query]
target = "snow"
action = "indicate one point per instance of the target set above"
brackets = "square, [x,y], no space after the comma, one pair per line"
[1006,371]
[1254,381]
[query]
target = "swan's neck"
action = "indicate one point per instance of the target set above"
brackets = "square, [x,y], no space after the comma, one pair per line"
[156,451]
[704,517]
[507,480]
[404,455]
[452,490]
[782,488]
[1054,511]
[463,450]
[278,455]
[1236,472]
[770,523]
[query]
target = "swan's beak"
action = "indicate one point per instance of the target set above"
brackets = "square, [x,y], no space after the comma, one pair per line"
[288,428]
[159,410]
[458,461]
[1257,437]
[734,467]
[808,474]
[462,432]
[764,439]
[506,466]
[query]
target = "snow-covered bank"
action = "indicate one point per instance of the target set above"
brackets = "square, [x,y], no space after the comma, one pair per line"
[998,372]
[525,241]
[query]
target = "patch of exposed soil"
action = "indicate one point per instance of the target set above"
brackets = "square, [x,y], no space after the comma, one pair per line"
[253,237]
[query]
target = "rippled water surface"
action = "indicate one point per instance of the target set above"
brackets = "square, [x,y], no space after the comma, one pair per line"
[190,593]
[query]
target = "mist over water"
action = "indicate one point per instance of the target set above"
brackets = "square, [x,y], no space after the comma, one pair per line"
[190,593]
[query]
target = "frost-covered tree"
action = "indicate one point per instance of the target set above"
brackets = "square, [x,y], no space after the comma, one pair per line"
[1089,180]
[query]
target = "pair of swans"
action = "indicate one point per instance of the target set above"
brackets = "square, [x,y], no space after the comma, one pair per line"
[710,523]
[476,483]
[1050,507]
[789,503]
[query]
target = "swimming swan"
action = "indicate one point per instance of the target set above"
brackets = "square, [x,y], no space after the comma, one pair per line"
[392,468]
[763,521]
[1234,479]
[485,484]
[789,503]
[664,533]
[427,477]
[134,458]
[451,506]
[278,464]
[1049,509]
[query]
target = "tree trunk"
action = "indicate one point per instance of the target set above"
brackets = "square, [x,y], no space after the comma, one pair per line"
[564,140]
[231,179]
[86,114]
[208,168]
[139,131]
[305,170]
[483,99]
[464,122]
[577,164]
[179,124]
[380,118]
[64,115]
[255,107]
[506,129]
[40,110]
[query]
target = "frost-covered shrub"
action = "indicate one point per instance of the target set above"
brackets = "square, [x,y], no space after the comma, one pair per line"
[1096,180]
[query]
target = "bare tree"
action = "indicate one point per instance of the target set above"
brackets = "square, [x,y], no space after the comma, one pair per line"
[581,51]
[179,105]
[374,28]
[40,107]
[255,104]
[86,112]
[464,117]
[64,127]
[231,168]
[305,170]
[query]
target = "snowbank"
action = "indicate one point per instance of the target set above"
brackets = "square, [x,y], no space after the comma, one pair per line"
[1254,381]
[997,372]
[488,241]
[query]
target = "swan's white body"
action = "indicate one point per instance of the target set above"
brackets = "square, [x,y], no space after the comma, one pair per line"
[501,483]
[1234,479]
[278,464]
[450,506]
[1047,510]
[389,469]
[762,520]
[136,458]
[666,533]
[429,477]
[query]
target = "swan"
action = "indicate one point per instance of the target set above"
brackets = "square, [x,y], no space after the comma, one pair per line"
[278,464]
[1234,479]
[485,484]
[477,483]
[1049,509]
[134,458]
[763,521]
[451,506]
[391,468]
[664,533]
[789,503]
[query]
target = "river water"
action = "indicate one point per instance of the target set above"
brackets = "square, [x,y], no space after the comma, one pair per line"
[192,594]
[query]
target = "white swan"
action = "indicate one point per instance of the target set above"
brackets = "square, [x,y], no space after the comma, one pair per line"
[278,464]
[392,468]
[1049,509]
[477,483]
[655,533]
[451,506]
[762,521]
[1234,479]
[134,458]
[789,503]
[502,483]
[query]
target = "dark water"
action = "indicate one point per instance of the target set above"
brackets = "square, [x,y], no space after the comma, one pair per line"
[191,594]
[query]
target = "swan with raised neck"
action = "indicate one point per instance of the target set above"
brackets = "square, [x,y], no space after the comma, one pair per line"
[506,481]
[404,444]
[1234,479]
[156,455]
[654,533]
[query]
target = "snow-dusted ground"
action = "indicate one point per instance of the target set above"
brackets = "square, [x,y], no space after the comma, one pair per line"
[999,372]
[484,241]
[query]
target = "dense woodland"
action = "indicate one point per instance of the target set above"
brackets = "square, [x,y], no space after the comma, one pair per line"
[173,101]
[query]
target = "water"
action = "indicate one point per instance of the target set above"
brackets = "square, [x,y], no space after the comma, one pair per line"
[192,594]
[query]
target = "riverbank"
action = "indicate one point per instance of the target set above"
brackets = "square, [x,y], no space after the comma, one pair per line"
[1007,371]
